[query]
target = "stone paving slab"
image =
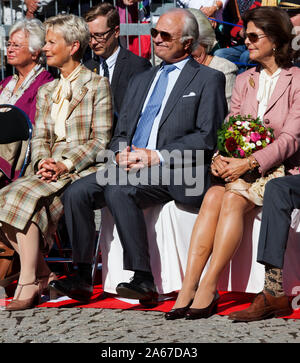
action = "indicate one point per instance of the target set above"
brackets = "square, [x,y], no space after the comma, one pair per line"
[76,325]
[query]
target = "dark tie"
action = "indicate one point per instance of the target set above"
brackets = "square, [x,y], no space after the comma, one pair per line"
[144,127]
[105,69]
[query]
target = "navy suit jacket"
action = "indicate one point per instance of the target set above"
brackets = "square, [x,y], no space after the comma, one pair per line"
[126,65]
[194,111]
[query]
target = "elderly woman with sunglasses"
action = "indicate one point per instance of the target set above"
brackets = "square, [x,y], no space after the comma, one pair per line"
[270,91]
[73,125]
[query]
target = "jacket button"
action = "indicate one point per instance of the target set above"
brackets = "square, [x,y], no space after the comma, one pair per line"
[267,121]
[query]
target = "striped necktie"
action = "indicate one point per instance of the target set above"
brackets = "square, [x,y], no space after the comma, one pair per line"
[144,127]
[105,69]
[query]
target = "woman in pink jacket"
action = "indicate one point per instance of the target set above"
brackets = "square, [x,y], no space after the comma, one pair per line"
[270,91]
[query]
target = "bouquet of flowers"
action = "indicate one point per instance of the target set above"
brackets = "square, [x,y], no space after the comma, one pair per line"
[243,135]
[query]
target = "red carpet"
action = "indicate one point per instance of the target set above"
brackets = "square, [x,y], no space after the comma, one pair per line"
[229,301]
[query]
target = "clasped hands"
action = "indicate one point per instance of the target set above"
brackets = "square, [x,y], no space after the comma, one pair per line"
[50,170]
[229,169]
[137,158]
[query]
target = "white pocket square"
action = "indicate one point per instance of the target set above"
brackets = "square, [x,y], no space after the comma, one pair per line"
[191,94]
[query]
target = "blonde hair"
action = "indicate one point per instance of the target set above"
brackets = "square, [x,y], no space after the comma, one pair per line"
[73,28]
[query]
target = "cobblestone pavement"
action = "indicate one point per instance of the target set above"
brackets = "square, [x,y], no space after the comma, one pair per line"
[75,325]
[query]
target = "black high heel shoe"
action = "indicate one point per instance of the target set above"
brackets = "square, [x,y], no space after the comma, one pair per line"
[204,313]
[178,313]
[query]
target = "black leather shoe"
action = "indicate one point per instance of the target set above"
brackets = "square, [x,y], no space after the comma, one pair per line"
[211,309]
[178,313]
[144,291]
[73,287]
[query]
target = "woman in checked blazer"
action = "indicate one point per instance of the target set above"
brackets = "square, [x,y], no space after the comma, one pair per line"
[73,124]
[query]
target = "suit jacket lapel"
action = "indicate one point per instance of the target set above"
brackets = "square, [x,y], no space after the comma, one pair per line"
[284,80]
[121,60]
[49,89]
[142,93]
[187,74]
[80,90]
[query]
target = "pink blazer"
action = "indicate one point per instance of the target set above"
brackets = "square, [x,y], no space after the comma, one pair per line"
[282,115]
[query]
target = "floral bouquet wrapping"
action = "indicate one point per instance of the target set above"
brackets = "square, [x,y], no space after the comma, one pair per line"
[239,138]
[243,135]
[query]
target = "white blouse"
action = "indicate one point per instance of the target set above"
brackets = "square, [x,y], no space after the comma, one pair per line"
[266,87]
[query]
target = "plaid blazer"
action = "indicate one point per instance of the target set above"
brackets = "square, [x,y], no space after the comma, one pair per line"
[88,124]
[88,131]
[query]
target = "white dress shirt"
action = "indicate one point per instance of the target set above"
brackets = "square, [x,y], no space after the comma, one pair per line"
[111,62]
[173,76]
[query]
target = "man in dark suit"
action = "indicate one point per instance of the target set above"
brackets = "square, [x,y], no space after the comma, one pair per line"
[166,133]
[111,60]
[281,197]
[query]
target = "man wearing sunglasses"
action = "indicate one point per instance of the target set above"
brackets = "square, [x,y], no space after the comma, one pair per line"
[110,59]
[175,108]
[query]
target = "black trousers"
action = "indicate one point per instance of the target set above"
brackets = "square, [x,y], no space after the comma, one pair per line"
[125,201]
[282,196]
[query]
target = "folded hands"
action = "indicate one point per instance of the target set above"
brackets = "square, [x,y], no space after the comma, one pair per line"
[50,170]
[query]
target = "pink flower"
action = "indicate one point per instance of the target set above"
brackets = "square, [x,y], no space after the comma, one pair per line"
[242,152]
[255,136]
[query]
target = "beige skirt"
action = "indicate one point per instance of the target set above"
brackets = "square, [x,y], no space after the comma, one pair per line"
[254,191]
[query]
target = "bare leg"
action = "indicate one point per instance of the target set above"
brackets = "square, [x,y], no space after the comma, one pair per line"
[27,244]
[201,244]
[228,235]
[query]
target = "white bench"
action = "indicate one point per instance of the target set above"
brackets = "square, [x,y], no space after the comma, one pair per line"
[169,231]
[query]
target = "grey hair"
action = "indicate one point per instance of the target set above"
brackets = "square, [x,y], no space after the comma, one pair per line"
[73,28]
[207,35]
[35,31]
[190,27]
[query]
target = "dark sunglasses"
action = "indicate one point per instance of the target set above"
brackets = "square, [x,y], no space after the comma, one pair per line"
[165,36]
[253,37]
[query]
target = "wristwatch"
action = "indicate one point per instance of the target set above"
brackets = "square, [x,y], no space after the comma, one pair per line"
[252,163]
